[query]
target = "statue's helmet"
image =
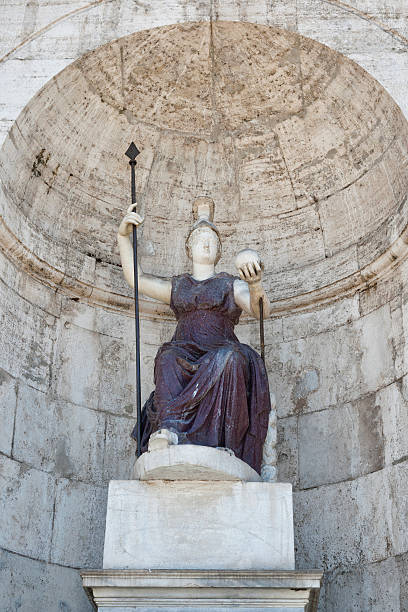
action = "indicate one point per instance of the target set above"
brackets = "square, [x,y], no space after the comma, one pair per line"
[203,212]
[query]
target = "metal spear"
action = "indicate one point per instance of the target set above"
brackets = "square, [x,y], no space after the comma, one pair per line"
[261,328]
[132,153]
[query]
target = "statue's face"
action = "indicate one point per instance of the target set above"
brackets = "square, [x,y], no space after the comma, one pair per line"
[204,245]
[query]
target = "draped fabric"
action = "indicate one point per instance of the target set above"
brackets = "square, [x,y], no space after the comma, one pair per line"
[209,388]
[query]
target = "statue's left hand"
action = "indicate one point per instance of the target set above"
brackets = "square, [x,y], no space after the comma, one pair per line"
[251,272]
[248,294]
[249,266]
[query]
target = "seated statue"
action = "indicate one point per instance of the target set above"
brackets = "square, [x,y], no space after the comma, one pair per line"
[210,389]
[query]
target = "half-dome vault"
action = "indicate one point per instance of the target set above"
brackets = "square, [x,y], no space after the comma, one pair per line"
[302,151]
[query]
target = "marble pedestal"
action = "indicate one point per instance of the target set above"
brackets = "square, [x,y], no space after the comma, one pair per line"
[195,524]
[182,544]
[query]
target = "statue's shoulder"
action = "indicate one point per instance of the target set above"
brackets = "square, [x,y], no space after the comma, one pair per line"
[179,277]
[227,276]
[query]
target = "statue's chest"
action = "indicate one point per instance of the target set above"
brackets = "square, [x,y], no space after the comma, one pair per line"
[206,294]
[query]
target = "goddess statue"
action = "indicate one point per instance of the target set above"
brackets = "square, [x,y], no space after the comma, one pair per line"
[210,389]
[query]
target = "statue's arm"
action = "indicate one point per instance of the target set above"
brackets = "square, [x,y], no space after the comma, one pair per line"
[155,287]
[247,292]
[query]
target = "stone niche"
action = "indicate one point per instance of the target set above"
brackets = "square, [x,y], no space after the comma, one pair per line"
[305,156]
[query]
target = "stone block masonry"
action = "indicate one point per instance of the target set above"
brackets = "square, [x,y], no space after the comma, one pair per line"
[61,208]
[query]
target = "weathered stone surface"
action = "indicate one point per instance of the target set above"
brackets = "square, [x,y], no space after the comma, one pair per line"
[26,339]
[341,443]
[392,401]
[321,320]
[350,33]
[58,437]
[402,567]
[83,508]
[383,292]
[8,401]
[363,505]
[374,587]
[29,288]
[27,500]
[120,448]
[306,378]
[201,525]
[25,583]
[247,332]
[207,128]
[94,369]
[76,371]
[399,492]
[377,367]
[287,449]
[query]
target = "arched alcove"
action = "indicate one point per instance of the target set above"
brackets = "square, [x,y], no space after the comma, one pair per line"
[303,152]
[305,156]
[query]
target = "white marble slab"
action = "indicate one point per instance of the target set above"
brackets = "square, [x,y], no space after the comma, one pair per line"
[197,524]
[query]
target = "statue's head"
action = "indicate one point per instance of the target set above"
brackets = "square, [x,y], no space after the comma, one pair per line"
[203,244]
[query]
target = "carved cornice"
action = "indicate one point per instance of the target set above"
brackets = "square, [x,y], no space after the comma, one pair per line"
[203,588]
[185,576]
[26,260]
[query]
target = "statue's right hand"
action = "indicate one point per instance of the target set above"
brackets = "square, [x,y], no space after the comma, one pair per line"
[131,218]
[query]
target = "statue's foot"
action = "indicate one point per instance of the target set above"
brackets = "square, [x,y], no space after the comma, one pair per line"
[163,438]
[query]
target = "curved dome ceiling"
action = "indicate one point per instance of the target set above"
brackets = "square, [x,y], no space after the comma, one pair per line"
[304,154]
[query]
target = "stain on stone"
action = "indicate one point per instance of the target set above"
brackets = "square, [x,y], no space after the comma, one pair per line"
[4,377]
[402,568]
[53,177]
[400,382]
[331,154]
[22,471]
[300,405]
[370,434]
[64,606]
[292,56]
[36,367]
[63,465]
[306,383]
[41,159]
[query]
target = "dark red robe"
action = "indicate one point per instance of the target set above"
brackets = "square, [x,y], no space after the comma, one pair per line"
[210,389]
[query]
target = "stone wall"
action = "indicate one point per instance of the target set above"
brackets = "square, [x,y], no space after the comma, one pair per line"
[343,444]
[332,236]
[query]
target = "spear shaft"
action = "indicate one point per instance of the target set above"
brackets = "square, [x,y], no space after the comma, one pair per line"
[261,329]
[132,152]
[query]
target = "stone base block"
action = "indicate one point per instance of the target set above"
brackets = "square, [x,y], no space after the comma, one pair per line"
[192,590]
[199,525]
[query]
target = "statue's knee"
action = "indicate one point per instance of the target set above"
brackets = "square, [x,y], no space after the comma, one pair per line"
[236,357]
[166,359]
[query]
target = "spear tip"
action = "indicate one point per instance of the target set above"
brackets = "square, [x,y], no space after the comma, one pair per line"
[132,151]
